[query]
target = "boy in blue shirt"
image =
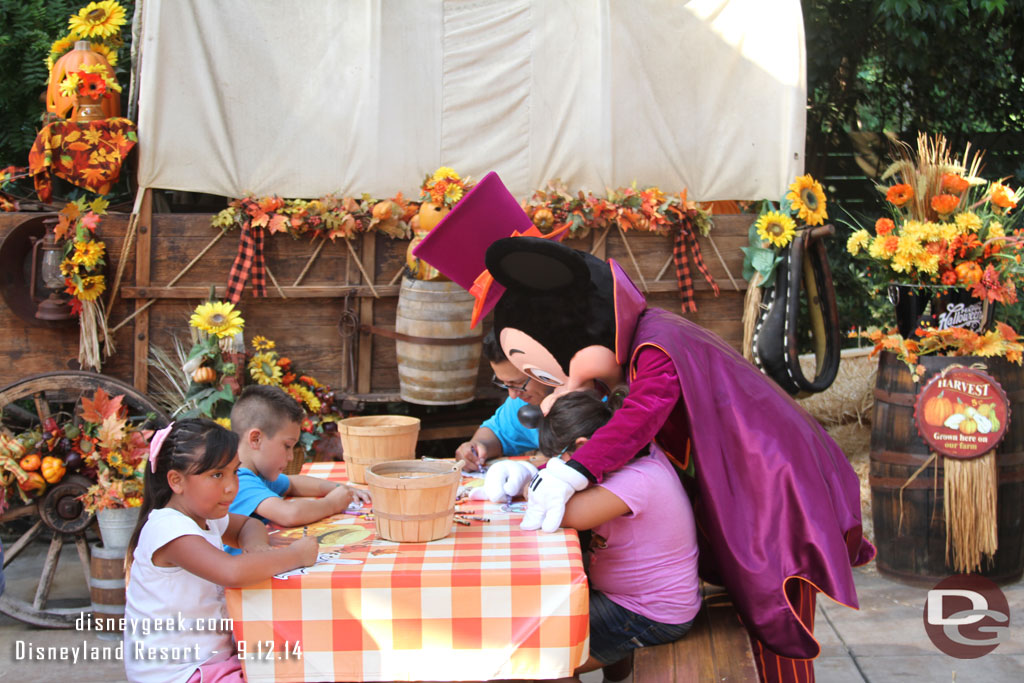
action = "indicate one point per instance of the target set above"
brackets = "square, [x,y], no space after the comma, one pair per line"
[503,434]
[269,421]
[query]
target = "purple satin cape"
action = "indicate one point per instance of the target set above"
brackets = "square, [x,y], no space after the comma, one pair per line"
[776,497]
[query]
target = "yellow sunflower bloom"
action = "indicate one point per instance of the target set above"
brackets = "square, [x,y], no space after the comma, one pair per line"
[88,253]
[115,459]
[90,288]
[109,53]
[776,228]
[69,86]
[445,172]
[307,397]
[261,343]
[58,48]
[808,199]
[217,317]
[264,370]
[102,19]
[452,194]
[68,268]
[858,241]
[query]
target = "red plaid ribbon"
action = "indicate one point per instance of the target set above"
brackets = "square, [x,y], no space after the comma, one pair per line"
[249,258]
[683,239]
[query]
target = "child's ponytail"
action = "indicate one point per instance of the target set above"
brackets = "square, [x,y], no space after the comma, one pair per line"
[191,446]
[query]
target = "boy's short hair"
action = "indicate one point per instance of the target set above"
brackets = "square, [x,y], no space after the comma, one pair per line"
[492,349]
[266,408]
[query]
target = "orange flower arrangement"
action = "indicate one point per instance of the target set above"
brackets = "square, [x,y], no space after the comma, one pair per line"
[949,226]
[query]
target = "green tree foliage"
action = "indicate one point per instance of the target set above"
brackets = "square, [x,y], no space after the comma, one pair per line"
[950,67]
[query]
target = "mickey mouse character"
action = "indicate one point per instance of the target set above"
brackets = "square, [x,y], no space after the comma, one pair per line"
[777,503]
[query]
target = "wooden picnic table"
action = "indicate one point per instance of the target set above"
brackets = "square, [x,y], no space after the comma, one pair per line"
[487,602]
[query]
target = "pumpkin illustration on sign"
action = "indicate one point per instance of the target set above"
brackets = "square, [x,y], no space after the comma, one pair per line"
[962,412]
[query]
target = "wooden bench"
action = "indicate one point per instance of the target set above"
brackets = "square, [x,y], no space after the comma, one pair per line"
[716,648]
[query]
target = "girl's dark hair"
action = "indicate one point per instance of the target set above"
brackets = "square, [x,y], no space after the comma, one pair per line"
[576,414]
[194,446]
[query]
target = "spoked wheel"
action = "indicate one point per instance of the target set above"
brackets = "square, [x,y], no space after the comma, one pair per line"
[58,513]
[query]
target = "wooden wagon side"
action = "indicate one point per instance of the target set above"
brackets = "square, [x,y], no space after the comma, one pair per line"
[302,314]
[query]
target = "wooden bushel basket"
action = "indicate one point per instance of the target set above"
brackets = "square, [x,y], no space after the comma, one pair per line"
[414,501]
[376,438]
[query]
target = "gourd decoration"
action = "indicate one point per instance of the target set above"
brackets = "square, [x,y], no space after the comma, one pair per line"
[968,426]
[66,107]
[429,216]
[968,273]
[30,463]
[937,409]
[204,375]
[52,469]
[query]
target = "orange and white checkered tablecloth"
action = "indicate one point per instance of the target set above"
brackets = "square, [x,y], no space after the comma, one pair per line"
[489,601]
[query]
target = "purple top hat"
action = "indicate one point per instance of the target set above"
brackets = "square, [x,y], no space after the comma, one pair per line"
[458,244]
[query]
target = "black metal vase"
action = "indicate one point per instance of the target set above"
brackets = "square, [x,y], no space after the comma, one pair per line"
[937,307]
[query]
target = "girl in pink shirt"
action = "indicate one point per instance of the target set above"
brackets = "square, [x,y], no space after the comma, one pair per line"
[644,588]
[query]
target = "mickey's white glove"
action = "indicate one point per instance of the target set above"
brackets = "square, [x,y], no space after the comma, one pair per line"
[507,479]
[549,492]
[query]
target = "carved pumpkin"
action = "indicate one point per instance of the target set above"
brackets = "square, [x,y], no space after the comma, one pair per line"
[58,104]
[204,375]
[968,273]
[430,215]
[937,409]
[968,426]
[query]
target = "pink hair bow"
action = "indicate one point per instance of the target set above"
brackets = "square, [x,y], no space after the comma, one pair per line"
[155,443]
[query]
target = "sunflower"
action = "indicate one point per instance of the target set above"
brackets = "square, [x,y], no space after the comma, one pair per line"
[108,53]
[857,241]
[69,86]
[452,194]
[776,228]
[261,343]
[68,268]
[306,396]
[59,47]
[90,288]
[808,198]
[102,19]
[264,370]
[88,253]
[115,459]
[217,317]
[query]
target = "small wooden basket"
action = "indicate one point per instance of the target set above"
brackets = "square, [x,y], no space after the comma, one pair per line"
[414,501]
[376,438]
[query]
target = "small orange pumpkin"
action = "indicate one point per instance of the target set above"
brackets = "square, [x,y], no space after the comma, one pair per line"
[968,426]
[430,215]
[52,469]
[937,409]
[543,218]
[968,273]
[30,463]
[204,375]
[80,56]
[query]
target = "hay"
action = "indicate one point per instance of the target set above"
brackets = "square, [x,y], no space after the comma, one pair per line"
[850,398]
[970,490]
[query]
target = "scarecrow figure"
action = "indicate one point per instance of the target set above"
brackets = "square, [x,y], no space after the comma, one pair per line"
[776,501]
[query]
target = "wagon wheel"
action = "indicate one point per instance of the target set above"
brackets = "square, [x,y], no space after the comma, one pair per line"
[58,511]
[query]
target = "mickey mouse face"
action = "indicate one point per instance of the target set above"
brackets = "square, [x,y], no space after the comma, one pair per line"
[556,319]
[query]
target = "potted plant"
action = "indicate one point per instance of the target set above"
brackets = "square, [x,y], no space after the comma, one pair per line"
[114,451]
[952,240]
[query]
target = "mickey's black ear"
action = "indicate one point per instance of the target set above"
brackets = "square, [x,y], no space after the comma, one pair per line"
[536,264]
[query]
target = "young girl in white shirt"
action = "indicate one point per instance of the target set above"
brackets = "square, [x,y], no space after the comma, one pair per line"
[176,628]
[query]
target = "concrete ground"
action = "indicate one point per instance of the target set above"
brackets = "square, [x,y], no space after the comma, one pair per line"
[884,641]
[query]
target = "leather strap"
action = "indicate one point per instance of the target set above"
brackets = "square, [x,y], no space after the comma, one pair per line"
[432,341]
[805,264]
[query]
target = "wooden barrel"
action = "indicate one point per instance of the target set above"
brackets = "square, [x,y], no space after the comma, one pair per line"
[376,438]
[439,360]
[107,588]
[915,551]
[414,501]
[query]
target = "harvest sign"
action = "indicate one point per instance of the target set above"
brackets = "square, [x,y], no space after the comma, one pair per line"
[962,413]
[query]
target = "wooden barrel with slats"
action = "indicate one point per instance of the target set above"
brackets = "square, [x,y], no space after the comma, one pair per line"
[911,536]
